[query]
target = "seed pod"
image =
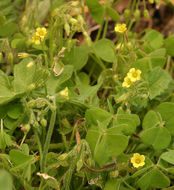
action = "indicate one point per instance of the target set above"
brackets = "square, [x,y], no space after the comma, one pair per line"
[113,174]
[146,14]
[1,56]
[67,28]
[127,13]
[31,103]
[43,122]
[25,128]
[151,1]
[31,87]
[137,14]
[63,156]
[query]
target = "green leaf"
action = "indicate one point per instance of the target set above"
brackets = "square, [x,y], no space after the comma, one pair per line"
[113,14]
[154,38]
[166,110]
[6,90]
[6,182]
[158,58]
[159,137]
[150,120]
[95,114]
[96,9]
[168,157]
[112,184]
[153,179]
[106,144]
[78,56]
[15,110]
[143,64]
[8,29]
[169,43]
[104,48]
[54,82]
[24,76]
[43,10]
[131,121]
[158,81]
[18,157]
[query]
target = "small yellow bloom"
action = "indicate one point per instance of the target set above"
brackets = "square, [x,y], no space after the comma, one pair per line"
[30,64]
[127,82]
[41,32]
[134,74]
[36,39]
[121,28]
[64,93]
[138,160]
[23,55]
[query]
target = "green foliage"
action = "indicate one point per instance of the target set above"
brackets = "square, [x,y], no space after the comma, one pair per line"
[79,110]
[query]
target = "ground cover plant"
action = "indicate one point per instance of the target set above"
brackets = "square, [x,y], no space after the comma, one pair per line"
[81,109]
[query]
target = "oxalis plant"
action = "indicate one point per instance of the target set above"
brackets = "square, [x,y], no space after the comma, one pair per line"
[95,115]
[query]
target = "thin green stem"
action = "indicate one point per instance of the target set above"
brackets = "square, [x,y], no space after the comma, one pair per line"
[48,139]
[105,28]
[98,60]
[99,31]
[39,144]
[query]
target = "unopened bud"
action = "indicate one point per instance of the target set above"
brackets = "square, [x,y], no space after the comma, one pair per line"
[67,28]
[79,165]
[113,174]
[31,103]
[43,122]
[74,3]
[146,14]
[137,14]
[1,56]
[80,19]
[63,156]
[30,64]
[151,1]
[25,128]
[73,21]
[127,13]
[31,87]
[23,55]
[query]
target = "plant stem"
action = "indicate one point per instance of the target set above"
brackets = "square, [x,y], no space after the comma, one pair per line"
[39,144]
[48,139]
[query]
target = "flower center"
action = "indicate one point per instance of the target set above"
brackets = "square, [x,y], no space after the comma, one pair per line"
[137,161]
[134,74]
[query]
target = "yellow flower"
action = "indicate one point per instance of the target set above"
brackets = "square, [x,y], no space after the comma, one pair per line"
[23,55]
[36,39]
[134,74]
[127,82]
[138,160]
[64,93]
[121,28]
[41,32]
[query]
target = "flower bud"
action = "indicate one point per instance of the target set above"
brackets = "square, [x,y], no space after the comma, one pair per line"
[1,56]
[31,103]
[146,14]
[137,14]
[151,1]
[79,165]
[113,174]
[23,55]
[73,21]
[67,28]
[127,13]
[31,87]
[25,128]
[43,122]
[63,156]
[80,19]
